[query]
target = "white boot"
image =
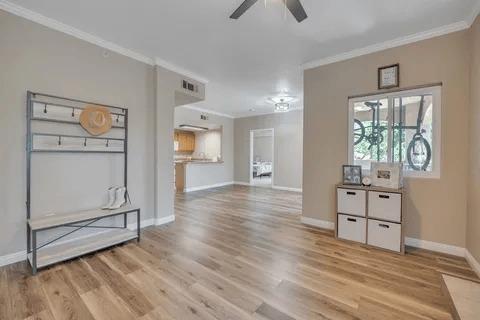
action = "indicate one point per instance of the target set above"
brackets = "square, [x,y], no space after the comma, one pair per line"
[111,198]
[119,198]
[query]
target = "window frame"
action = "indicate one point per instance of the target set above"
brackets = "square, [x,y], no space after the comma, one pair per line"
[436,92]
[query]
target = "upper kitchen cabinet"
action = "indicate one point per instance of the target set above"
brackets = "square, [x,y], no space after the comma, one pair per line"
[185,141]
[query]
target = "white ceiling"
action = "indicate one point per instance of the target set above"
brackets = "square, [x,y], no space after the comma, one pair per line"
[261,54]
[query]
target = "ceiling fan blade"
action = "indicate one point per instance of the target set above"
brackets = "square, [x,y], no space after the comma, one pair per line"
[296,9]
[243,7]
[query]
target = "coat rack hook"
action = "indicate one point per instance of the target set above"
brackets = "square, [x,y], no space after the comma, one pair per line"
[45,108]
[73,112]
[59,140]
[85,142]
[118,118]
[106,145]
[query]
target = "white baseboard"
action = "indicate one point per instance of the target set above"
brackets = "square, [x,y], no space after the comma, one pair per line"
[417,243]
[217,185]
[152,222]
[13,258]
[22,255]
[241,183]
[143,224]
[473,262]
[318,223]
[164,220]
[287,189]
[435,246]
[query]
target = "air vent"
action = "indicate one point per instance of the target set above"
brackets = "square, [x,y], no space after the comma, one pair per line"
[189,86]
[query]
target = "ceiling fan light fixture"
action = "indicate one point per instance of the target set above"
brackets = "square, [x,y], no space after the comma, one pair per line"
[294,6]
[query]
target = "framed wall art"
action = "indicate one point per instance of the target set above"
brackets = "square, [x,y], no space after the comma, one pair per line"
[389,77]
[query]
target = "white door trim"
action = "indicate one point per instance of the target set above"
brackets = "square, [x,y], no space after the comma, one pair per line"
[252,133]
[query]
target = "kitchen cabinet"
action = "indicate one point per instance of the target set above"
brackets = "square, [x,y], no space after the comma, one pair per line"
[180,177]
[185,140]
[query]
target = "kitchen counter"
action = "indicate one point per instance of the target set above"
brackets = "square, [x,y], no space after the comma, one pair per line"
[195,172]
[197,162]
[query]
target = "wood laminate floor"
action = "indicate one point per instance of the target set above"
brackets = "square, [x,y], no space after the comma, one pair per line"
[234,253]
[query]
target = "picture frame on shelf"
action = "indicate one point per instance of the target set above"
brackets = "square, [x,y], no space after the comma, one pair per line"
[352,175]
[389,77]
[387,175]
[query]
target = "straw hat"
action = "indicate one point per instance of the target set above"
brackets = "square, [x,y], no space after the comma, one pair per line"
[96,120]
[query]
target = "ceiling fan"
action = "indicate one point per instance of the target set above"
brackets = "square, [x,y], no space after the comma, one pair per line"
[294,6]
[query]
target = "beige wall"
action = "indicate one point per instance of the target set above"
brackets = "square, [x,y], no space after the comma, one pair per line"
[287,147]
[165,84]
[169,94]
[473,218]
[40,59]
[36,58]
[436,208]
[208,144]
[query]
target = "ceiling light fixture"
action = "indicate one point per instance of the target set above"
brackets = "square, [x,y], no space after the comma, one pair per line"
[282,106]
[282,99]
[192,128]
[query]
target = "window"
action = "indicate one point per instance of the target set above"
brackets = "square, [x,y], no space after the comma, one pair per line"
[397,127]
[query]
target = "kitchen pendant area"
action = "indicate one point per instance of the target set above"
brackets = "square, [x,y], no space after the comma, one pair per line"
[198,151]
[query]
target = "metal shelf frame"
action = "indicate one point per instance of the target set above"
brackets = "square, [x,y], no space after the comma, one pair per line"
[119,111]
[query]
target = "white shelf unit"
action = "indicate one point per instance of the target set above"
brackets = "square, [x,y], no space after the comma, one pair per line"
[371,215]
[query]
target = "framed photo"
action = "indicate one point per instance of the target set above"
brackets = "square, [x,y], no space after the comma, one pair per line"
[352,175]
[387,175]
[389,76]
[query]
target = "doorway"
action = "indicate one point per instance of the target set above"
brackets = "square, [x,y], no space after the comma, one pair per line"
[262,157]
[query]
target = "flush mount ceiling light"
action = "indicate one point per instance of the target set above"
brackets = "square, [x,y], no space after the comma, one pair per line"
[192,128]
[282,99]
[282,106]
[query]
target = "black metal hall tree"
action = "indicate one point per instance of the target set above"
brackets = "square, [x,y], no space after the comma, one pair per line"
[61,112]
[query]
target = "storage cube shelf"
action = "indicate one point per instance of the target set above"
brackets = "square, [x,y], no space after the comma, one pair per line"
[371,215]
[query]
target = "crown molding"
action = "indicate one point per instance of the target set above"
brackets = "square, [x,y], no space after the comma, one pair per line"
[454,27]
[475,12]
[172,67]
[62,27]
[82,35]
[220,114]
